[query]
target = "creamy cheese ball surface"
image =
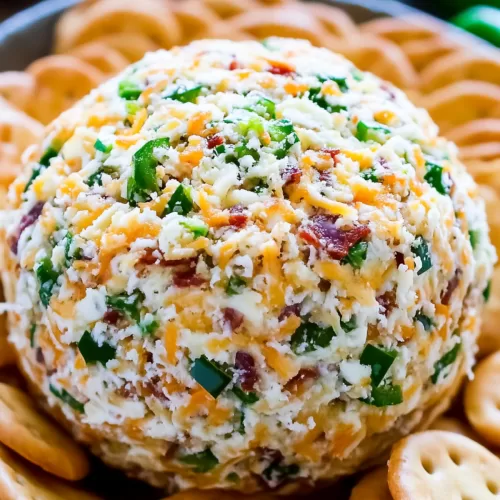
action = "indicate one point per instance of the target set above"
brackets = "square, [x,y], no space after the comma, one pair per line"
[245,266]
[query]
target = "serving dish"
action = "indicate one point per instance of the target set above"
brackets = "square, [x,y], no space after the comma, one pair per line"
[28,35]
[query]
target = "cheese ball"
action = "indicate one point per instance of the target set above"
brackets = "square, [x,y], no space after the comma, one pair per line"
[246,266]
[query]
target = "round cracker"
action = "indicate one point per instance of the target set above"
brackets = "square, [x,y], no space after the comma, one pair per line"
[61,80]
[382,57]
[460,66]
[28,432]
[372,486]
[482,399]
[423,52]
[489,338]
[297,23]
[438,465]
[20,481]
[132,46]
[147,17]
[17,87]
[105,58]
[195,19]
[461,102]
[215,495]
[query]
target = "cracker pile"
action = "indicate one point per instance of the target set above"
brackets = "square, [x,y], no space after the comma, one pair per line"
[458,84]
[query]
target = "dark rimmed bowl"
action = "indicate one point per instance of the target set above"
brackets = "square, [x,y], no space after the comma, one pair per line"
[28,35]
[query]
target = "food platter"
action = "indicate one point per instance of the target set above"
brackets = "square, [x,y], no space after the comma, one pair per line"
[17,33]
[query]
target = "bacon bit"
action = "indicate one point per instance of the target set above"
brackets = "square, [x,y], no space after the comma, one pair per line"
[39,356]
[180,262]
[153,388]
[281,69]
[214,141]
[291,174]
[127,391]
[388,301]
[248,376]
[237,218]
[332,152]
[287,311]
[233,318]
[452,285]
[148,257]
[324,285]
[337,242]
[26,221]
[304,375]
[400,258]
[326,177]
[111,317]
[185,279]
[234,65]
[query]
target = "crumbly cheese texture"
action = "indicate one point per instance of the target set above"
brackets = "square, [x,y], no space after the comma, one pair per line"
[239,262]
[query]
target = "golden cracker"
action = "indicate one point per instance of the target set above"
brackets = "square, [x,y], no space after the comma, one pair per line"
[442,465]
[482,399]
[24,429]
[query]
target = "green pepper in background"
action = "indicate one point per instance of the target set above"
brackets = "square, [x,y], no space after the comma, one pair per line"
[481,21]
[447,8]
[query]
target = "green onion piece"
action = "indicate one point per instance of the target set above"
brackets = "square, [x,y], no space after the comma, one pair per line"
[369,175]
[420,248]
[380,361]
[50,152]
[372,132]
[309,336]
[356,255]
[235,285]
[279,130]
[487,292]
[265,107]
[260,186]
[129,90]
[282,131]
[349,326]
[341,82]
[67,249]
[357,75]
[96,177]
[47,278]
[427,322]
[210,375]
[201,462]
[434,177]
[180,202]
[185,95]
[67,398]
[248,398]
[316,96]
[34,174]
[445,361]
[43,163]
[149,328]
[197,227]
[219,150]
[143,178]
[100,146]
[242,150]
[94,353]
[132,107]
[129,304]
[32,334]
[474,236]
[385,395]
